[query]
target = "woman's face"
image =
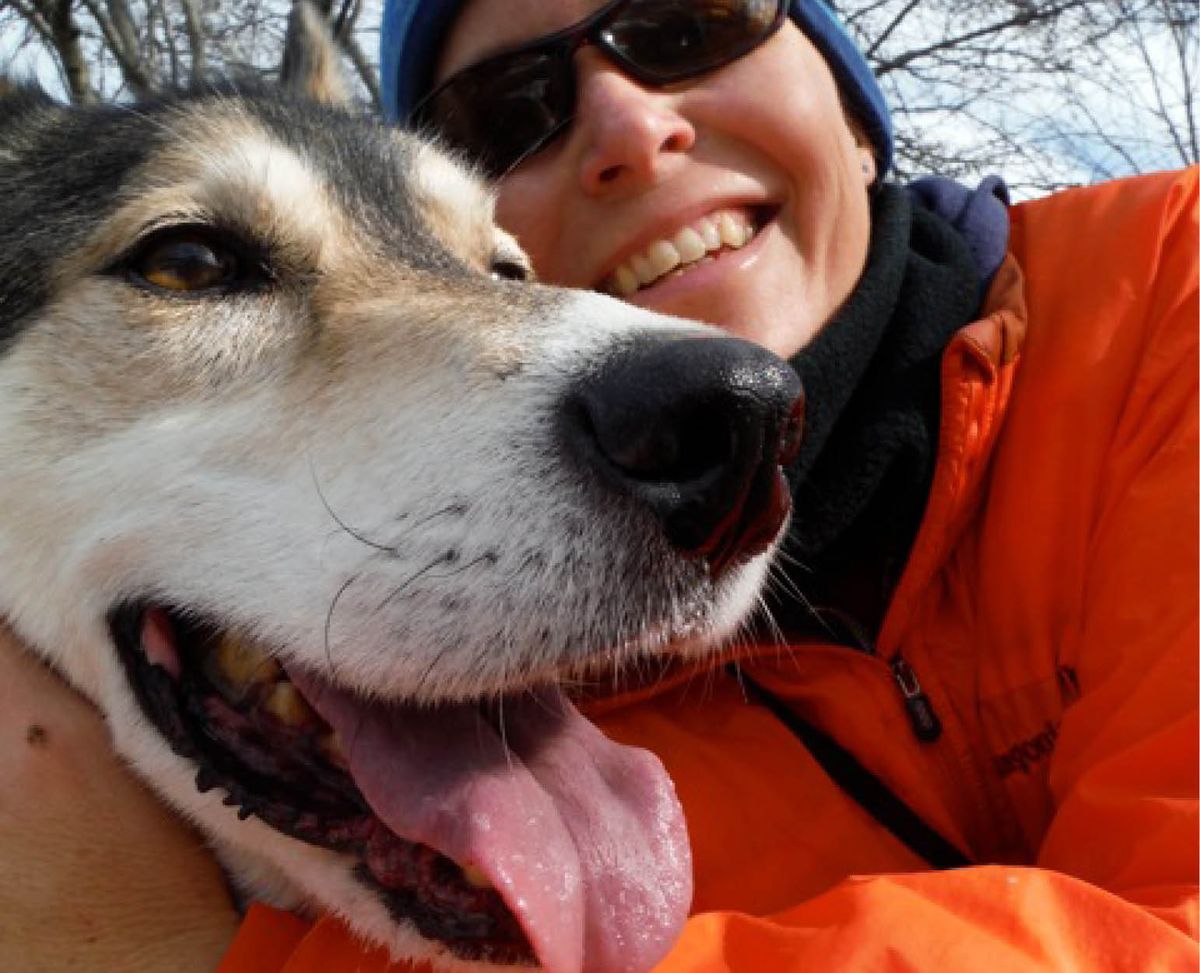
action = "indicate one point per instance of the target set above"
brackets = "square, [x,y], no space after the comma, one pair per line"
[762,142]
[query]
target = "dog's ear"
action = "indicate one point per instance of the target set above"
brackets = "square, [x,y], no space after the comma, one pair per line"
[311,63]
[17,99]
[23,89]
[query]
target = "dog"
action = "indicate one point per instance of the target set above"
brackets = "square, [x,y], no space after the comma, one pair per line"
[329,508]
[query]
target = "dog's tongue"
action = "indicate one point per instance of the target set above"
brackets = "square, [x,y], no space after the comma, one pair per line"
[583,838]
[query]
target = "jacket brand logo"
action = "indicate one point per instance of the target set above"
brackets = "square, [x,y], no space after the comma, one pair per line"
[1021,757]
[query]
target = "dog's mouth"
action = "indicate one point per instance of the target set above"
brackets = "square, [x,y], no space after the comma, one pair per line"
[511,831]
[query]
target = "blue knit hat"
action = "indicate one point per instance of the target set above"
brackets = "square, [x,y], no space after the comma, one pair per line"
[413,31]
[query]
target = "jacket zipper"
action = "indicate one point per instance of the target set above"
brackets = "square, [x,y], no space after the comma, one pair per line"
[858,783]
[926,725]
[924,720]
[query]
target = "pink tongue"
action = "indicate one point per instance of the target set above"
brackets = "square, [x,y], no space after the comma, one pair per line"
[583,838]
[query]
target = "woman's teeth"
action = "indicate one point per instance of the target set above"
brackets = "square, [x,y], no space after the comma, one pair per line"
[731,229]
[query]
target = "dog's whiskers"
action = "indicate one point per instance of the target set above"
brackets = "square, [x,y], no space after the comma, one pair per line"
[329,617]
[458,508]
[503,729]
[446,557]
[428,673]
[778,578]
[783,554]
[346,528]
[767,618]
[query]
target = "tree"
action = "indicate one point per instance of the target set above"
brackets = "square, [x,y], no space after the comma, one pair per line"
[118,49]
[1045,92]
[1134,104]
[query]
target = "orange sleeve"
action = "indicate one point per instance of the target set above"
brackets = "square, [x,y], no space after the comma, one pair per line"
[1002,920]
[1124,775]
[264,942]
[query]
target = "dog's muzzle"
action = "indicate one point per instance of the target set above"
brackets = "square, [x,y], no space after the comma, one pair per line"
[698,431]
[510,831]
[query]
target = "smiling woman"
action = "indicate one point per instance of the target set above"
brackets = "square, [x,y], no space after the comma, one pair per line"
[764,195]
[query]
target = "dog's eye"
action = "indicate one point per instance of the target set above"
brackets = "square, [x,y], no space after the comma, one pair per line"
[509,268]
[190,261]
[187,265]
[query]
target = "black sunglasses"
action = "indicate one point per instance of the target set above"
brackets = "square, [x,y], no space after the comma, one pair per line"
[509,106]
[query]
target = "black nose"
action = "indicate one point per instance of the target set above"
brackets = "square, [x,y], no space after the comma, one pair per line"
[696,429]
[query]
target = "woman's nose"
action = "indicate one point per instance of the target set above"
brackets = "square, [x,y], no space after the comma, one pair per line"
[632,136]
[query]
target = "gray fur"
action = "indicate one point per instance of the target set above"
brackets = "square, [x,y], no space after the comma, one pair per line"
[63,169]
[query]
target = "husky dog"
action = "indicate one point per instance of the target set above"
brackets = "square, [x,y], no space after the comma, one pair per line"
[329,510]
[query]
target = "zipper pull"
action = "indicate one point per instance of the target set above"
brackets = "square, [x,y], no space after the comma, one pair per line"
[925,722]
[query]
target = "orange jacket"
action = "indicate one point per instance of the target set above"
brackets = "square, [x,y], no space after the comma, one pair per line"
[1049,609]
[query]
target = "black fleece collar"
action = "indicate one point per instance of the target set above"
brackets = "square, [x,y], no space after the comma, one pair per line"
[871,381]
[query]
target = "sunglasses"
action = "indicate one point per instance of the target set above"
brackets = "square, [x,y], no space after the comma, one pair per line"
[511,105]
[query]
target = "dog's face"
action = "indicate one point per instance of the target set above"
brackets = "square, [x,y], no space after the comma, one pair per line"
[289,491]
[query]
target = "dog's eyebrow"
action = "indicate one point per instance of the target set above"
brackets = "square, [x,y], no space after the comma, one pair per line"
[253,187]
[235,168]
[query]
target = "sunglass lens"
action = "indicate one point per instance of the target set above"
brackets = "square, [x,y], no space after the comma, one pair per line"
[500,111]
[666,40]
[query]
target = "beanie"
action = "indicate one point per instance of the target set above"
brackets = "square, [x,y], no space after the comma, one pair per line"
[413,31]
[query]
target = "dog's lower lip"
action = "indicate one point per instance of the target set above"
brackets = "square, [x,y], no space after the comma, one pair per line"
[268,751]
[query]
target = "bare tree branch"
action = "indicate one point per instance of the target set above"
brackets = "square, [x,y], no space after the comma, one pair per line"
[1045,92]
[33,16]
[1023,18]
[899,18]
[64,35]
[121,45]
[194,24]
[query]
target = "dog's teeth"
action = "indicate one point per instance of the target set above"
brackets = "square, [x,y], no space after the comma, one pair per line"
[330,745]
[240,664]
[285,703]
[475,877]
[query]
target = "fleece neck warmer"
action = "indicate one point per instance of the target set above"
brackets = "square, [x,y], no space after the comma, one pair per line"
[871,382]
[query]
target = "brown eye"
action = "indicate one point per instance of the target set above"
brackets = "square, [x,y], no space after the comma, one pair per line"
[191,261]
[187,265]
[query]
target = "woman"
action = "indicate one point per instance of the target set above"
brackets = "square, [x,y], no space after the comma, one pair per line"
[973,739]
